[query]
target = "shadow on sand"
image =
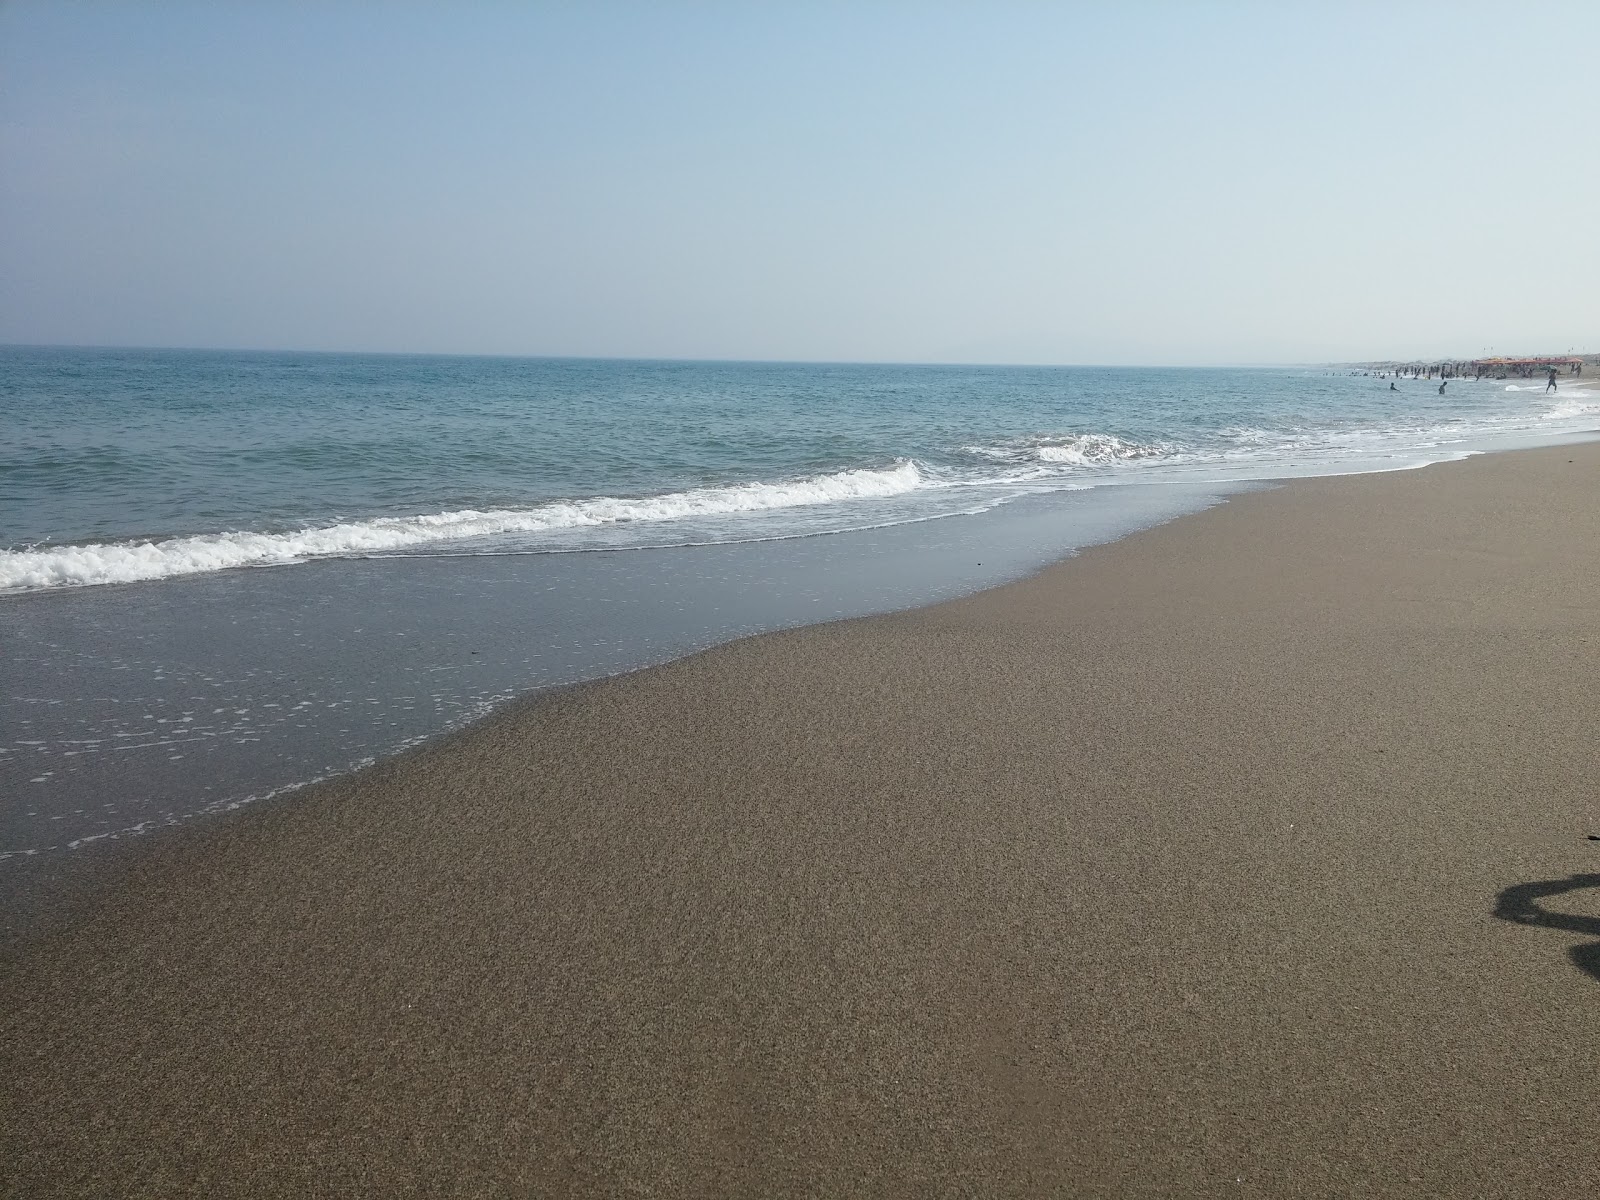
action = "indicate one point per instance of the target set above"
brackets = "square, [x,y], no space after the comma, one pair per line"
[1520,904]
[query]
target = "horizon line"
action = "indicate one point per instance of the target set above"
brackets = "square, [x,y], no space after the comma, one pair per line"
[644,358]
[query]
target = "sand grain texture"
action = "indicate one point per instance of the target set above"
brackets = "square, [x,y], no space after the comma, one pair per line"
[1170,871]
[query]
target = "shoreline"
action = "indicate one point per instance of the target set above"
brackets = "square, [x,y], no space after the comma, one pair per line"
[254,683]
[77,652]
[1169,867]
[161,702]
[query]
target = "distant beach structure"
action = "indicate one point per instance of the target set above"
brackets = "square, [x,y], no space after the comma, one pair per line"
[1496,367]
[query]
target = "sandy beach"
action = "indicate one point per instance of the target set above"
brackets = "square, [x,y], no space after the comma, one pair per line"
[1204,863]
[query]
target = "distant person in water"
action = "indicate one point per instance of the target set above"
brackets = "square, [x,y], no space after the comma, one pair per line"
[1392,387]
[1551,386]
[1442,387]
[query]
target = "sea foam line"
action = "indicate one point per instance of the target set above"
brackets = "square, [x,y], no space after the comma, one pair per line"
[1073,449]
[127,562]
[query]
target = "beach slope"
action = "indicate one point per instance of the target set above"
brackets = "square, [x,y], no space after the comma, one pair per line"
[1245,856]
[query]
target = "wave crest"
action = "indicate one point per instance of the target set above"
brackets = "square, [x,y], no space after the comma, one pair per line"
[1567,405]
[1073,449]
[1097,449]
[127,562]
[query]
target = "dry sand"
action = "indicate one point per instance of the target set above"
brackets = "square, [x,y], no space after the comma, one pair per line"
[1170,871]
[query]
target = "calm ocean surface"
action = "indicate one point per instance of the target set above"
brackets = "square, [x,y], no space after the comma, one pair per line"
[118,465]
[421,532]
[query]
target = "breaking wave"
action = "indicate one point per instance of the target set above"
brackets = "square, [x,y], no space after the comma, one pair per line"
[1079,450]
[126,562]
[1567,405]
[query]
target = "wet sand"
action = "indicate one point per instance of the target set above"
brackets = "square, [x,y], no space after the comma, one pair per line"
[1173,870]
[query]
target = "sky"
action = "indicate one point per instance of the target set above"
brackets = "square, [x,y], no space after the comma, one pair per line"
[1138,183]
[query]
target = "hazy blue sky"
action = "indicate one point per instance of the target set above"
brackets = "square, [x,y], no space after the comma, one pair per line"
[933,182]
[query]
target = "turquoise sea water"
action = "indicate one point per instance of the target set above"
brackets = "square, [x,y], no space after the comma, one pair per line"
[126,465]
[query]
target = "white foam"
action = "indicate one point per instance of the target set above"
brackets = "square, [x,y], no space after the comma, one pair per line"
[1073,449]
[126,562]
[1096,449]
[1572,404]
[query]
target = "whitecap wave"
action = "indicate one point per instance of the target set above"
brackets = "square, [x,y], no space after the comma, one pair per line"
[1073,449]
[127,562]
[1572,404]
[1097,449]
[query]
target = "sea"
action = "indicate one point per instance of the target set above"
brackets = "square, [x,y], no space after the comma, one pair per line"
[226,575]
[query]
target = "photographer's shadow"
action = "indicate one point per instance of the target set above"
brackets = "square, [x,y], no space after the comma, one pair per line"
[1519,904]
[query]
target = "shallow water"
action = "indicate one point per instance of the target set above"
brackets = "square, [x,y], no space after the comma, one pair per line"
[135,707]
